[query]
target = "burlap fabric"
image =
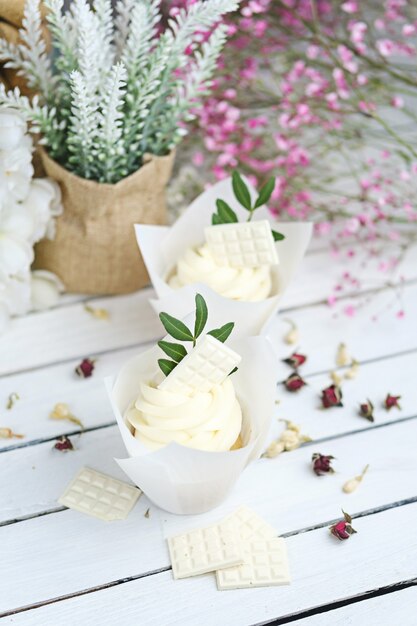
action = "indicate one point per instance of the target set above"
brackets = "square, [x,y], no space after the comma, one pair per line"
[95,250]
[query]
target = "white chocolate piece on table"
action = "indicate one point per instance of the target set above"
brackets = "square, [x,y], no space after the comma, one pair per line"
[251,525]
[205,550]
[100,495]
[208,364]
[265,565]
[247,244]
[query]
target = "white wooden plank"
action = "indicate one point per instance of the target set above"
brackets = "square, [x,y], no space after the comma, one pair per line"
[40,390]
[323,571]
[399,607]
[284,491]
[39,339]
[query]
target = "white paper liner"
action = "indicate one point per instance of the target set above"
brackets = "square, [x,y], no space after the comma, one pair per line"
[183,480]
[162,246]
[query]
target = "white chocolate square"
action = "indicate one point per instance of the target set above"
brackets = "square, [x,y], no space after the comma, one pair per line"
[265,565]
[205,550]
[250,525]
[99,495]
[245,244]
[208,364]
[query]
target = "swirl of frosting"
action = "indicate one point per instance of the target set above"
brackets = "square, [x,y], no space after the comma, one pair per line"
[206,421]
[238,283]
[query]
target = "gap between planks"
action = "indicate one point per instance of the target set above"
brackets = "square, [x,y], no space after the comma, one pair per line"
[281,620]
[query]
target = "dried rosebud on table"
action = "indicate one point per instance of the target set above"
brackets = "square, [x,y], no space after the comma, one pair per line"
[61,412]
[343,529]
[290,439]
[366,410]
[292,335]
[86,368]
[331,396]
[352,484]
[7,433]
[322,464]
[294,382]
[11,400]
[352,372]
[391,401]
[342,355]
[295,360]
[63,444]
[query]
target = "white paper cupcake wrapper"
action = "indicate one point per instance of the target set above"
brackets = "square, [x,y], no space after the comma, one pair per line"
[183,480]
[162,246]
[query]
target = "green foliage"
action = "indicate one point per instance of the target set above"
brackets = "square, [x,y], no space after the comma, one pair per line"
[110,91]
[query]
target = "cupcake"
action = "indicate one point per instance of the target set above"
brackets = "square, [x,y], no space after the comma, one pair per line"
[225,243]
[193,411]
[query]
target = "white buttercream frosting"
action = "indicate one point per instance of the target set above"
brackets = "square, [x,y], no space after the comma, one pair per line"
[206,421]
[243,283]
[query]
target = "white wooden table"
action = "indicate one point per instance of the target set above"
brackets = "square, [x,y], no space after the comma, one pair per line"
[59,567]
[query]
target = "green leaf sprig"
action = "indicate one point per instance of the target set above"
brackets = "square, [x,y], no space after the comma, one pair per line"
[179,331]
[225,213]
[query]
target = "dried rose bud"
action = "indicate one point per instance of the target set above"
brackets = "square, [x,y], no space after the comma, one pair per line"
[366,410]
[322,464]
[331,396]
[63,444]
[352,484]
[295,360]
[343,529]
[391,401]
[294,382]
[292,335]
[86,368]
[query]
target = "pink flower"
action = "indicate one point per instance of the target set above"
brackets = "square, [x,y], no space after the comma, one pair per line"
[322,464]
[294,382]
[343,530]
[331,396]
[357,32]
[198,158]
[385,47]
[408,30]
[350,7]
[349,310]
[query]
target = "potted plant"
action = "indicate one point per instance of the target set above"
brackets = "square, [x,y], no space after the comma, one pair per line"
[112,99]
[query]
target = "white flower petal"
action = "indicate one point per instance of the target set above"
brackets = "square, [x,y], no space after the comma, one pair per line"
[46,289]
[12,129]
[16,255]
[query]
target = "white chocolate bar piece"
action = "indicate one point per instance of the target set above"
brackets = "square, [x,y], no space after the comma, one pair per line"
[265,565]
[205,550]
[247,244]
[208,364]
[250,525]
[99,495]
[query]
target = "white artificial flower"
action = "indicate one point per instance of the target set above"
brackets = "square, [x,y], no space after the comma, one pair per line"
[16,170]
[12,129]
[45,290]
[15,294]
[16,227]
[43,203]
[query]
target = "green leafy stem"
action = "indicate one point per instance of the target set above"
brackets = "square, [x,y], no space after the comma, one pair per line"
[226,215]
[179,331]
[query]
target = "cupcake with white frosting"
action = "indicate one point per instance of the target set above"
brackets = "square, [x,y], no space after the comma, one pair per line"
[192,411]
[185,259]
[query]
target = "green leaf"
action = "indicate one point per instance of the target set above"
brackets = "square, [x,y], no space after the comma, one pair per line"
[166,366]
[226,213]
[222,333]
[201,315]
[175,328]
[241,191]
[233,371]
[215,220]
[265,193]
[174,350]
[277,236]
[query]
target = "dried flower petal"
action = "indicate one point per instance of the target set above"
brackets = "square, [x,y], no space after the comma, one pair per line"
[366,410]
[100,314]
[354,483]
[322,464]
[336,379]
[294,382]
[61,412]
[7,433]
[331,396]
[343,529]
[63,444]
[295,360]
[391,401]
[273,450]
[352,372]
[290,439]
[86,368]
[11,400]
[292,335]
[342,355]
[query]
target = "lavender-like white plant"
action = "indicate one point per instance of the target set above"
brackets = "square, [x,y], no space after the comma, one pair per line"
[113,89]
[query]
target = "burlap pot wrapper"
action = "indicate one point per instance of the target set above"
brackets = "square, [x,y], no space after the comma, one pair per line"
[94,250]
